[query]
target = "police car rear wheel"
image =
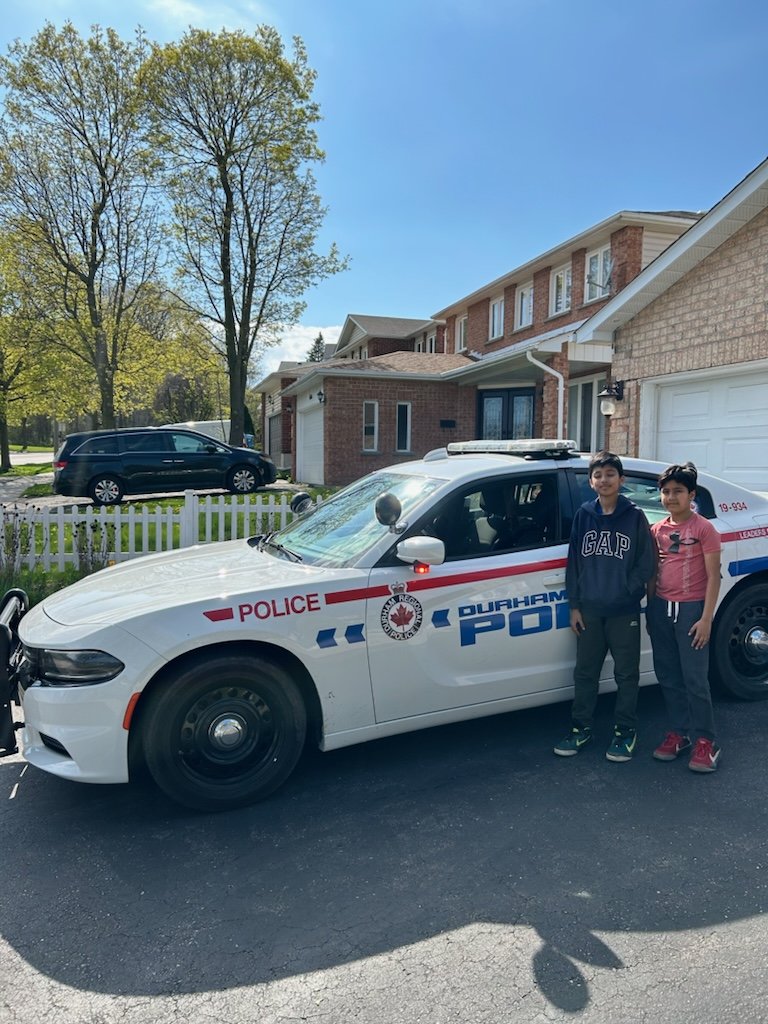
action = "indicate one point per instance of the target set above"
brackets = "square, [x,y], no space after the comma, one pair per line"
[225,732]
[739,654]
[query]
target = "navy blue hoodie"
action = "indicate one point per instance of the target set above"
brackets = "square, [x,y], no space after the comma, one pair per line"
[610,559]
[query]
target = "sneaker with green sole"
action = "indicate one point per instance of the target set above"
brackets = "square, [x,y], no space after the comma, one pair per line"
[622,745]
[573,742]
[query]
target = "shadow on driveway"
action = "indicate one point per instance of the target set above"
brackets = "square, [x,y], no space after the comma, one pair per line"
[377,847]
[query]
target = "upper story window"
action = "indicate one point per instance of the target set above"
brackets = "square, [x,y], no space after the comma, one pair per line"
[560,290]
[524,305]
[496,319]
[462,325]
[599,267]
[431,344]
[370,426]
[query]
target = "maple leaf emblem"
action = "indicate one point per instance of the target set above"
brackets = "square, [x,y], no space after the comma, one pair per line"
[401,617]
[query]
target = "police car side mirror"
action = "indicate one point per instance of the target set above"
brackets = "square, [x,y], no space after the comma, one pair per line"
[301,502]
[426,550]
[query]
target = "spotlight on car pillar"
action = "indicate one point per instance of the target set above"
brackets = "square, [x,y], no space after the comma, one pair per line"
[301,502]
[388,509]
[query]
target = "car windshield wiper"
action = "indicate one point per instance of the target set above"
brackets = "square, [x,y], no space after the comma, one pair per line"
[266,542]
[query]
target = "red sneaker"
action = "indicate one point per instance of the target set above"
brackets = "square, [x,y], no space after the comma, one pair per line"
[672,745]
[705,756]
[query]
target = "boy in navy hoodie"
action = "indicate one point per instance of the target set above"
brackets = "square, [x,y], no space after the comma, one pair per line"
[611,559]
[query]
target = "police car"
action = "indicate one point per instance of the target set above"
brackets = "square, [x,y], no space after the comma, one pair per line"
[426,593]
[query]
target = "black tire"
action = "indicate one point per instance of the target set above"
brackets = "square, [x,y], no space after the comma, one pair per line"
[243,480]
[105,490]
[739,653]
[224,732]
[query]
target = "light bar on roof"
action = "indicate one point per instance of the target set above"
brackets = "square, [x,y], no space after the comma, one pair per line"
[538,447]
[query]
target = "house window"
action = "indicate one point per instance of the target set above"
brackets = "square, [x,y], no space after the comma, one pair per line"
[599,266]
[370,426]
[524,306]
[461,333]
[560,291]
[586,424]
[496,319]
[431,347]
[419,346]
[403,426]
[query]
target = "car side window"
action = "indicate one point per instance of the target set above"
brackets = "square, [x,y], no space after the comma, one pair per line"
[190,443]
[144,443]
[643,490]
[502,515]
[98,446]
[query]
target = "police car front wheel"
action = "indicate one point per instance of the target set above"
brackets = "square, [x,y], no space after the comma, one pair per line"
[224,732]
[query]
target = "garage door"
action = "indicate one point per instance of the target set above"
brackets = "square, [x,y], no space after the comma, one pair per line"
[720,423]
[309,447]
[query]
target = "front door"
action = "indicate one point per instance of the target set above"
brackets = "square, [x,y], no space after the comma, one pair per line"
[506,414]
[488,624]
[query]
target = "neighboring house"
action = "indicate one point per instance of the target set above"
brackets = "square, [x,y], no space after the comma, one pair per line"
[690,344]
[500,363]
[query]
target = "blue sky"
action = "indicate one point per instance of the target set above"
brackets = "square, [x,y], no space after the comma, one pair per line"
[463,138]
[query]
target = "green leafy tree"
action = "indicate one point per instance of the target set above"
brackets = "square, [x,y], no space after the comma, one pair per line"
[316,354]
[76,177]
[236,118]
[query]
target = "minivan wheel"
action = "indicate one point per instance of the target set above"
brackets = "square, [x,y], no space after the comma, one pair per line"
[105,490]
[243,480]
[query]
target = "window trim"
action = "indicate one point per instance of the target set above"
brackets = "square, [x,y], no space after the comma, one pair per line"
[462,333]
[375,435]
[566,272]
[408,425]
[496,318]
[524,290]
[600,252]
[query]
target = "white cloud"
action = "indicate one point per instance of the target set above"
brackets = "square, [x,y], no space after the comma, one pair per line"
[183,13]
[295,344]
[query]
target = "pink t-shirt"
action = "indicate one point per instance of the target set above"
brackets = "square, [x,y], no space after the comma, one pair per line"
[682,546]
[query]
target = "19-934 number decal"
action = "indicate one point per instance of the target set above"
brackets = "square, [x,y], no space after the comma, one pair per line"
[735,506]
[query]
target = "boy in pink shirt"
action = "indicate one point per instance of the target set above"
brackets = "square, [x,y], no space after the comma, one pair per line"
[679,618]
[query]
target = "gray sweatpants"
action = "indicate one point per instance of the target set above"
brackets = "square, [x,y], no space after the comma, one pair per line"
[682,671]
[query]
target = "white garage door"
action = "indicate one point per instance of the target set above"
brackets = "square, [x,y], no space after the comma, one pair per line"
[309,447]
[719,423]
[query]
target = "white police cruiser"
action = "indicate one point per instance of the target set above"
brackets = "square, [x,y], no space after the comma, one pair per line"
[426,593]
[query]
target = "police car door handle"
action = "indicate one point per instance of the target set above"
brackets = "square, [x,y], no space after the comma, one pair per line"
[552,581]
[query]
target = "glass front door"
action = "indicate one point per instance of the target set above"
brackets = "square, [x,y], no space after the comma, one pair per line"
[506,414]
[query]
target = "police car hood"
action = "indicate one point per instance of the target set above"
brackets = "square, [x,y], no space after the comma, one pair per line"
[176,578]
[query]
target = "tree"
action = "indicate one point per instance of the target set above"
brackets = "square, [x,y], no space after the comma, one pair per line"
[76,176]
[316,354]
[236,117]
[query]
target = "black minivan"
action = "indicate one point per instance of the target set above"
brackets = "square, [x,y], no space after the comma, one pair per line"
[106,464]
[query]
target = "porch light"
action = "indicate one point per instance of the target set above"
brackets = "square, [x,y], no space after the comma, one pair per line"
[609,396]
[320,397]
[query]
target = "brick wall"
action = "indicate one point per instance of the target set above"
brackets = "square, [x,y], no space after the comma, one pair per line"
[717,315]
[430,402]
[627,254]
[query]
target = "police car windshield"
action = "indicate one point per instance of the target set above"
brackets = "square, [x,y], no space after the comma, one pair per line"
[338,531]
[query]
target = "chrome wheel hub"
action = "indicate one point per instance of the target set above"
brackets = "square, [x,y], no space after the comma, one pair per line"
[227,732]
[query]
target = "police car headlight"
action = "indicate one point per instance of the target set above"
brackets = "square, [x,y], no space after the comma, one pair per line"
[76,668]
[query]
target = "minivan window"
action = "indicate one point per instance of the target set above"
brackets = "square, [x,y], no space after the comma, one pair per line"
[144,443]
[98,446]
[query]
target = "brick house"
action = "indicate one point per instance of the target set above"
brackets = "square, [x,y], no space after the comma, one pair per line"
[690,344]
[499,363]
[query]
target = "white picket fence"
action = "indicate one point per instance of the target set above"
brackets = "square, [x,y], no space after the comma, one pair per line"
[44,536]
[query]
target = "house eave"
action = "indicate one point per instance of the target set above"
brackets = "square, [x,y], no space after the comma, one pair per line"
[736,209]
[560,253]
